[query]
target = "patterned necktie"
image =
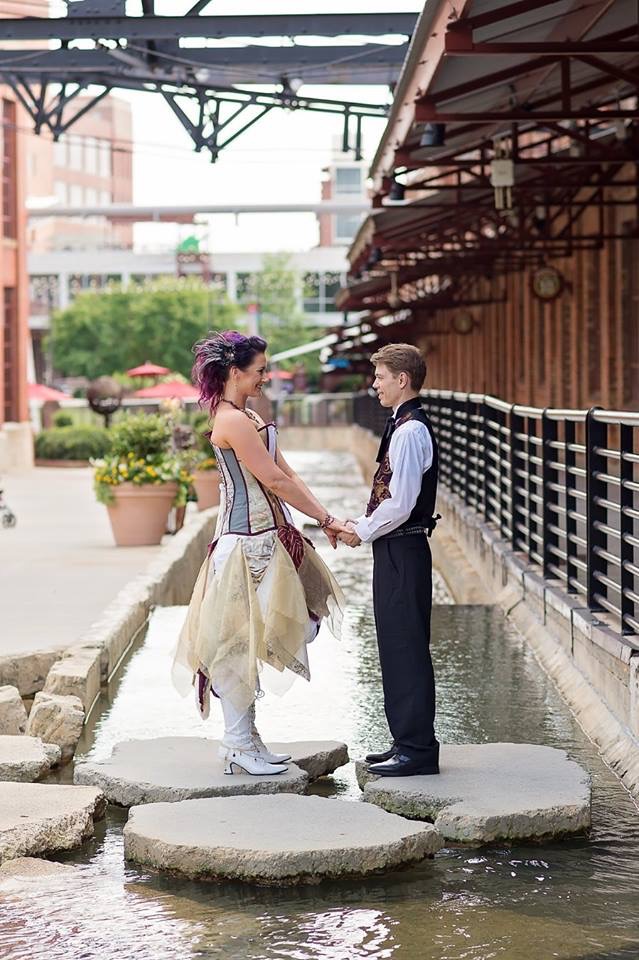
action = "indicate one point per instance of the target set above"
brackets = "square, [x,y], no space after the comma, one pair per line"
[386,436]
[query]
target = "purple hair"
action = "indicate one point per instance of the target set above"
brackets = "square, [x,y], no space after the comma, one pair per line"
[214,357]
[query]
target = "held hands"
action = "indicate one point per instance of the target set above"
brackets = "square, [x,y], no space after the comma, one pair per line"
[349,535]
[341,530]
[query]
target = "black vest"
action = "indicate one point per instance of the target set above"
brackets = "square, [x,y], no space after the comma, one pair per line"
[423,513]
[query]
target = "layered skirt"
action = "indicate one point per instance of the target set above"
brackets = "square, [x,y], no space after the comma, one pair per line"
[257,602]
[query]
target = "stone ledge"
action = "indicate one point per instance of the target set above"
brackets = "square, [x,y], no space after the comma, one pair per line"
[282,840]
[39,818]
[491,791]
[25,759]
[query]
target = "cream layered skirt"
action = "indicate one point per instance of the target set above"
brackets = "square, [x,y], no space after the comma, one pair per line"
[252,613]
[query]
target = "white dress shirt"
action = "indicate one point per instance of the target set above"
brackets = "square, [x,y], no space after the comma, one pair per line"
[411,454]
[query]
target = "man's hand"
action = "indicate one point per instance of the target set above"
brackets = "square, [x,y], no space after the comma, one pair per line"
[349,536]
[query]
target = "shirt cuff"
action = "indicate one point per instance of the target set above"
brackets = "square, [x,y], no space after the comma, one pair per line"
[362,529]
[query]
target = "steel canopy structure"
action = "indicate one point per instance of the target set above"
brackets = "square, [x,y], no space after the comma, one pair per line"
[208,87]
[512,139]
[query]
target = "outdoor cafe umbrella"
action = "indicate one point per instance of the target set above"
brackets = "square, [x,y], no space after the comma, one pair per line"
[172,388]
[147,369]
[40,391]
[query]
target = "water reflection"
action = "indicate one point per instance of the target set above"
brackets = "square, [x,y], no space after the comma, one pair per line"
[573,900]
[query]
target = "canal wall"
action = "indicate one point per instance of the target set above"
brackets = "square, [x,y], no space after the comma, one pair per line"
[596,669]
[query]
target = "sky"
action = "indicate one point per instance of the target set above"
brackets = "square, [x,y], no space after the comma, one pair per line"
[279,159]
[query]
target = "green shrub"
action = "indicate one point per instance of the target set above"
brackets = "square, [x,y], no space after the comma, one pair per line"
[62,419]
[72,443]
[143,434]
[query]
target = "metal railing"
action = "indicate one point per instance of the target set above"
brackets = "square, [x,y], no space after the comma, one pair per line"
[561,486]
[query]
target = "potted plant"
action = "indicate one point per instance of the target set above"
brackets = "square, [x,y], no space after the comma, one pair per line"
[203,466]
[141,479]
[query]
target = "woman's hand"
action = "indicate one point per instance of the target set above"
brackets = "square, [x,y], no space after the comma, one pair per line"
[334,528]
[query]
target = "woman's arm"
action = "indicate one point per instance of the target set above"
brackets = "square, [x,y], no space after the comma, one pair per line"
[240,434]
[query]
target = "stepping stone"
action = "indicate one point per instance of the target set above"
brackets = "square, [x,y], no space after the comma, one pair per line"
[37,818]
[281,839]
[491,791]
[31,873]
[177,768]
[319,758]
[26,759]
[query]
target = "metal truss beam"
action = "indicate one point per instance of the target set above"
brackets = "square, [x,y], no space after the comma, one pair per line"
[152,27]
[366,64]
[56,111]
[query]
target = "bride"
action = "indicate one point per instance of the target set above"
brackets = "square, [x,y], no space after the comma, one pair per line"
[263,590]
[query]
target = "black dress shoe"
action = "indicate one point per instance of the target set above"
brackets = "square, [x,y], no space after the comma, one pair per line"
[380,757]
[400,765]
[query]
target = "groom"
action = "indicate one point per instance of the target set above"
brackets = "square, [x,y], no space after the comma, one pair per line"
[399,514]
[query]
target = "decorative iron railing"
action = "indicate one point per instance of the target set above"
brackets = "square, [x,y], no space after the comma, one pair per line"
[561,486]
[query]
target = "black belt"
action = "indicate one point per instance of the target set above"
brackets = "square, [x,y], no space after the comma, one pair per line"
[413,529]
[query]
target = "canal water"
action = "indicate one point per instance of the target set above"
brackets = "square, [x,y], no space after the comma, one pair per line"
[575,899]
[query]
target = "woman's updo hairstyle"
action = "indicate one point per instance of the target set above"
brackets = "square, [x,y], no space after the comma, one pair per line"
[214,357]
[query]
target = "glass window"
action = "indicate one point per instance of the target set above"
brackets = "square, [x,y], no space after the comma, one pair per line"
[91,155]
[105,197]
[91,197]
[312,301]
[60,190]
[348,180]
[76,195]
[75,154]
[346,226]
[245,286]
[60,153]
[104,154]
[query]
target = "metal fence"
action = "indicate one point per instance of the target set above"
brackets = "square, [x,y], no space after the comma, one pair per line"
[561,486]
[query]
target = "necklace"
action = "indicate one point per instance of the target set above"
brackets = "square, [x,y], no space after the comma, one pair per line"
[233,404]
[247,413]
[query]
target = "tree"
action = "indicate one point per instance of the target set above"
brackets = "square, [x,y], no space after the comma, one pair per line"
[114,329]
[282,322]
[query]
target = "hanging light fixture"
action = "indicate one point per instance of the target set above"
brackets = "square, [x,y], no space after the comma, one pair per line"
[397,192]
[433,135]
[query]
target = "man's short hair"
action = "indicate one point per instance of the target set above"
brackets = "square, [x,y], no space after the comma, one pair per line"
[403,358]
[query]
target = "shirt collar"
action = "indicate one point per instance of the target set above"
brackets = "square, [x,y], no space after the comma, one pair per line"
[413,404]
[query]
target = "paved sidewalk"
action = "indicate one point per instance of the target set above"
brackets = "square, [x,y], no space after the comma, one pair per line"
[59,567]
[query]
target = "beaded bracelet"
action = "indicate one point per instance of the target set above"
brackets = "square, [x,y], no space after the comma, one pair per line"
[326,522]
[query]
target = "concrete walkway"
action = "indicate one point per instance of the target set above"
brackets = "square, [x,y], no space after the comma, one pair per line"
[60,567]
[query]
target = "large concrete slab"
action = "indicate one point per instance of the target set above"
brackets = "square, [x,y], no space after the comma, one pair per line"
[491,791]
[37,818]
[281,839]
[26,759]
[177,768]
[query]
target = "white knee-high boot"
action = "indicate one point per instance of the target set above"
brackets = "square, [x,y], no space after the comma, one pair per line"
[239,748]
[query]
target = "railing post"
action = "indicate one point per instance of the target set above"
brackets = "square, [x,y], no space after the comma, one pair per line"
[595,490]
[516,462]
[626,528]
[485,431]
[570,461]
[549,497]
[466,448]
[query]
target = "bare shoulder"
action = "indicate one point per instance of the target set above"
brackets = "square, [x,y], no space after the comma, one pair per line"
[226,424]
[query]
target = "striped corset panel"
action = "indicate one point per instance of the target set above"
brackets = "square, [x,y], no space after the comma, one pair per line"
[249,508]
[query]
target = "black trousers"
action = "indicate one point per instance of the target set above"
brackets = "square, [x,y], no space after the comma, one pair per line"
[402,601]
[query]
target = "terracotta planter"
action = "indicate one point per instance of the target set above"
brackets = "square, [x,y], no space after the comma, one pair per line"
[139,514]
[207,488]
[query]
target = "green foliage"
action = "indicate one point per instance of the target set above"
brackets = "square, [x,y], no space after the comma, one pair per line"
[141,434]
[72,443]
[62,419]
[117,328]
[281,321]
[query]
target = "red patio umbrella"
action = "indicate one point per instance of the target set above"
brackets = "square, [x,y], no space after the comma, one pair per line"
[40,391]
[281,374]
[147,369]
[172,388]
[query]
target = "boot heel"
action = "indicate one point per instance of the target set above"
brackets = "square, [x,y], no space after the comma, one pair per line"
[228,768]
